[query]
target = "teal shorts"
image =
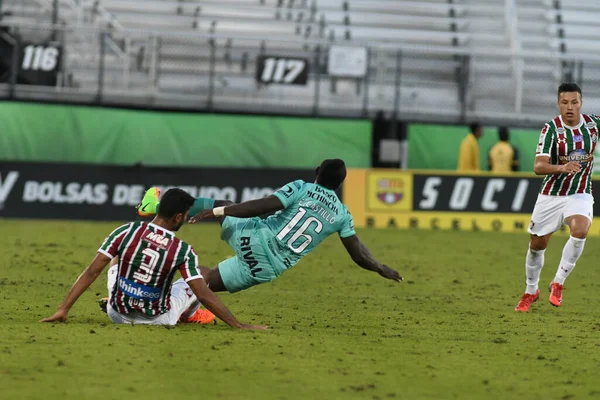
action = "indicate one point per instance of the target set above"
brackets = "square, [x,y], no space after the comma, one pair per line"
[251,265]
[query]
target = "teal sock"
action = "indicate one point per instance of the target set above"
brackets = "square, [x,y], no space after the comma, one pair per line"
[201,204]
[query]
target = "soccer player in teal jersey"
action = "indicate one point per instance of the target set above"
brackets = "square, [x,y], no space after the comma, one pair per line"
[565,155]
[304,215]
[149,255]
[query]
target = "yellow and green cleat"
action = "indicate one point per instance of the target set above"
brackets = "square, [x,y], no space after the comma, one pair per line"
[149,205]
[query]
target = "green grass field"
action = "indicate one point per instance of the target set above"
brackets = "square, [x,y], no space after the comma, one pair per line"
[338,332]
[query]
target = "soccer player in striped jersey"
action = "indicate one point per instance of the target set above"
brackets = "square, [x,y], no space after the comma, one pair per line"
[565,156]
[149,255]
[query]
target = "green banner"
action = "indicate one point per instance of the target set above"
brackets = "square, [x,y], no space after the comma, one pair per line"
[437,146]
[37,132]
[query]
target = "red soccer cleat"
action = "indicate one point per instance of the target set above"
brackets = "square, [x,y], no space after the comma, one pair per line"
[555,290]
[526,301]
[201,316]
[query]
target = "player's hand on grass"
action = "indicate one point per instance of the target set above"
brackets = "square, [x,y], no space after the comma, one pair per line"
[59,316]
[572,167]
[390,273]
[254,327]
[202,215]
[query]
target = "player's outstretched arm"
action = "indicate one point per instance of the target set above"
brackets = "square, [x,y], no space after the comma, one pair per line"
[363,258]
[212,302]
[87,277]
[252,208]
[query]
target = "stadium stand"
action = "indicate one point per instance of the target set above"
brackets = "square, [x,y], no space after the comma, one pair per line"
[455,59]
[571,27]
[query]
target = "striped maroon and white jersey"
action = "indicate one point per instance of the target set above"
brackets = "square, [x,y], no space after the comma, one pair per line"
[563,143]
[149,257]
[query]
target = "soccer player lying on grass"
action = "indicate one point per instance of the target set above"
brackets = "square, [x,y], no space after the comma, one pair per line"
[305,214]
[149,254]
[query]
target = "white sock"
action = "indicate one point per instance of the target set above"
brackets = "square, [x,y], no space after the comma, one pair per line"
[533,267]
[571,253]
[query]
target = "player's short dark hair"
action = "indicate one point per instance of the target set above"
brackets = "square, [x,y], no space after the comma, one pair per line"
[569,87]
[173,202]
[331,173]
[503,133]
[475,126]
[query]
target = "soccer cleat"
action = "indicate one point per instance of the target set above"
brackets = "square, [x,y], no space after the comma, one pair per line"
[149,204]
[201,316]
[555,290]
[103,302]
[526,301]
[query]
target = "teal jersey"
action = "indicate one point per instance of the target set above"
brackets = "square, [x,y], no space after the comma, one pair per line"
[311,213]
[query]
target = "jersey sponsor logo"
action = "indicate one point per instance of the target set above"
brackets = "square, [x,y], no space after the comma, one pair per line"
[577,138]
[138,291]
[323,199]
[327,193]
[579,155]
[561,131]
[156,239]
[591,125]
[248,256]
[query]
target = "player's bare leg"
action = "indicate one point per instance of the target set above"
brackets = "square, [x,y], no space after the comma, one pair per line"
[580,226]
[539,243]
[533,268]
[213,279]
[197,315]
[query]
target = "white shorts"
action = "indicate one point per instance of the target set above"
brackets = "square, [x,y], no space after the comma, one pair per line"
[182,298]
[550,212]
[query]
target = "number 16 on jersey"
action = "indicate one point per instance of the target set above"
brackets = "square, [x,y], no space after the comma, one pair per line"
[301,238]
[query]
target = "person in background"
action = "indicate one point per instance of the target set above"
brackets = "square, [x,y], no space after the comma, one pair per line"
[468,157]
[503,157]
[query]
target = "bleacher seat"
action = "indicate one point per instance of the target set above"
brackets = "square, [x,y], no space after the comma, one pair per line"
[170,50]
